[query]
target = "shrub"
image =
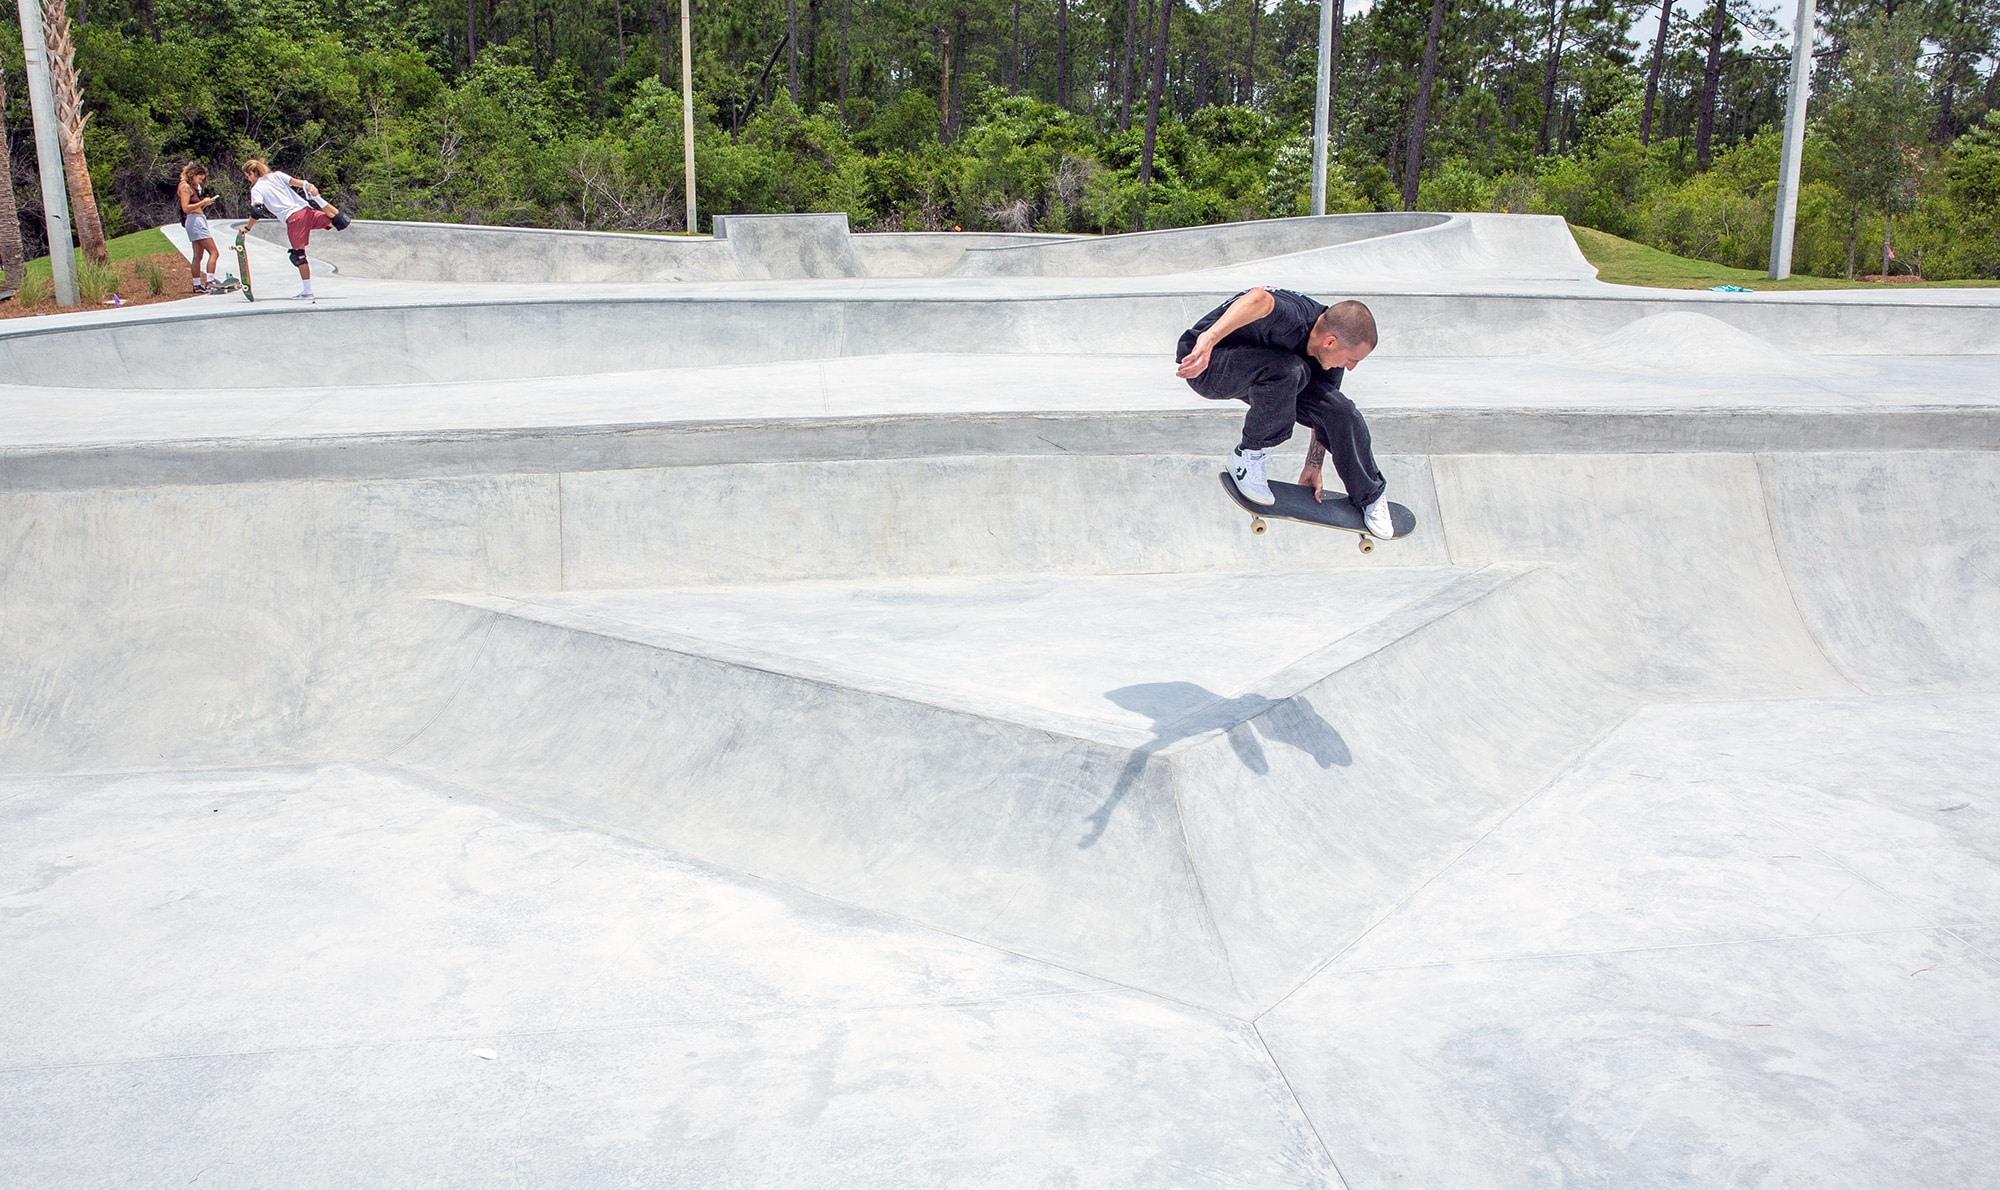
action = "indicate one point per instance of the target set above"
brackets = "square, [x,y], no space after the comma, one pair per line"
[95,282]
[35,289]
[1455,186]
[154,276]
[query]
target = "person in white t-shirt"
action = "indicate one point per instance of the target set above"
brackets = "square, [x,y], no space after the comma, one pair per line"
[275,195]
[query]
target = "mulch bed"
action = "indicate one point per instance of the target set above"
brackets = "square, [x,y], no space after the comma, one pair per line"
[132,287]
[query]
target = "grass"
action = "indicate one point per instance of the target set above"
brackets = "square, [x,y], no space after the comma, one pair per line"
[95,282]
[143,268]
[1622,262]
[140,243]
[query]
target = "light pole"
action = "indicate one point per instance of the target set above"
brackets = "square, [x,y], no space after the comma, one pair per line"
[687,110]
[1795,142]
[1320,113]
[48,151]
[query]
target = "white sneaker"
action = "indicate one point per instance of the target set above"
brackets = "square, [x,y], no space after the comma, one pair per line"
[1247,466]
[307,296]
[1376,517]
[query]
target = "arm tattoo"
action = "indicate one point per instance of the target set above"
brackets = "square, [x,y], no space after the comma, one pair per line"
[1315,453]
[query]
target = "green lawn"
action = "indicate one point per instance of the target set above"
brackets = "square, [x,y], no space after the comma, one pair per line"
[1622,262]
[140,243]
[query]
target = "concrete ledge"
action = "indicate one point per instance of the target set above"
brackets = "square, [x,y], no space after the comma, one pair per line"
[1452,431]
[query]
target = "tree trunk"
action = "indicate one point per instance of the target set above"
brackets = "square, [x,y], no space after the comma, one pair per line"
[1941,133]
[1333,74]
[618,14]
[1159,85]
[1062,54]
[12,258]
[70,119]
[757,92]
[1014,55]
[809,51]
[1954,55]
[958,75]
[943,38]
[1125,65]
[792,40]
[843,60]
[661,42]
[471,32]
[1247,93]
[1711,81]
[1551,67]
[1413,163]
[1653,72]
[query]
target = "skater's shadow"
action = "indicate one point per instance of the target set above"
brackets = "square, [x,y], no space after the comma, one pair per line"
[1181,710]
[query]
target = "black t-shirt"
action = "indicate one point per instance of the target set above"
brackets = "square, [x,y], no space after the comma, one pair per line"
[1288,327]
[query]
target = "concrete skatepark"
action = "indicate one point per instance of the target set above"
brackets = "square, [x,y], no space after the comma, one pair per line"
[794,709]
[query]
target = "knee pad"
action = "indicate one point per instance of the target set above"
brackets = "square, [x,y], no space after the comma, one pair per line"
[340,221]
[298,257]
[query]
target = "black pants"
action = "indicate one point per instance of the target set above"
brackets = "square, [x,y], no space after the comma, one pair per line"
[1283,390]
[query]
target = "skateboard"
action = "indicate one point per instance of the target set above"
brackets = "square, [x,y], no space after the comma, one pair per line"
[243,268]
[1295,503]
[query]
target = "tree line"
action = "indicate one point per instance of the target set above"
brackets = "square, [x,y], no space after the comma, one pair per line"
[1650,119]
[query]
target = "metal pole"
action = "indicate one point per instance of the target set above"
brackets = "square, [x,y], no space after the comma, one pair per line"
[1320,113]
[1795,143]
[48,150]
[687,110]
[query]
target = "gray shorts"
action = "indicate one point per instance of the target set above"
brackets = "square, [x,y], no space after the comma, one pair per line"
[197,227]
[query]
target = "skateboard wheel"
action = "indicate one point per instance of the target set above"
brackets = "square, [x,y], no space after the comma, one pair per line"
[1258,526]
[1367,545]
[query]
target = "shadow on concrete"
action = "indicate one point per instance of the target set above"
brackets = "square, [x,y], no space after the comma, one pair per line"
[1182,710]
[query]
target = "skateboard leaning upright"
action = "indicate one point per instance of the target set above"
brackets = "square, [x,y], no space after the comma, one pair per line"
[1295,503]
[243,268]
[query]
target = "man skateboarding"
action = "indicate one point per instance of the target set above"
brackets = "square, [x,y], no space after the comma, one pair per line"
[1283,354]
[275,195]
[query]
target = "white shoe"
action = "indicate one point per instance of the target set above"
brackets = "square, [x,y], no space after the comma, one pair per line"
[307,296]
[1247,466]
[1376,517]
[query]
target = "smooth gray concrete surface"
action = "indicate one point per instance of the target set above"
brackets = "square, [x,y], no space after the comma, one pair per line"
[767,729]
[341,976]
[1724,949]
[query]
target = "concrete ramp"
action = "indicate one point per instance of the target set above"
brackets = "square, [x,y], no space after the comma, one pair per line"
[1186,249]
[1687,342]
[1210,834]
[860,746]
[1445,252]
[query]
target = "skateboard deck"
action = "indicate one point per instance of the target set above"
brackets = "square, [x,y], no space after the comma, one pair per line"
[243,268]
[1295,503]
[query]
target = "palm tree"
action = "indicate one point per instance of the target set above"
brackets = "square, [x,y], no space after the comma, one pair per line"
[70,118]
[11,257]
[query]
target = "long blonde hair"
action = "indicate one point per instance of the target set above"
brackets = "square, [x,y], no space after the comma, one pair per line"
[191,171]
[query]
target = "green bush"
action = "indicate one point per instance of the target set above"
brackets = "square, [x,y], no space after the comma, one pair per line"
[95,282]
[35,289]
[1455,186]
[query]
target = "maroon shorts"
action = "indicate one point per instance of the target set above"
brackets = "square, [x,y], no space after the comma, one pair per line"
[300,225]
